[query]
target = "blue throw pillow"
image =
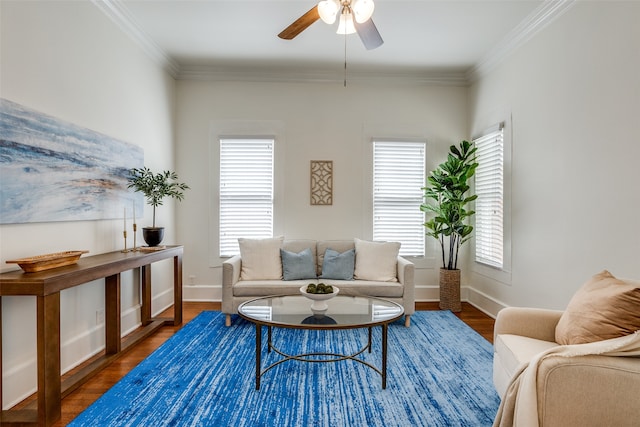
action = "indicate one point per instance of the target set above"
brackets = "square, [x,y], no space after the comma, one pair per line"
[298,266]
[337,265]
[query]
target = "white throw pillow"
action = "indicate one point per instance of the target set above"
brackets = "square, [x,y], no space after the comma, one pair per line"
[261,258]
[376,261]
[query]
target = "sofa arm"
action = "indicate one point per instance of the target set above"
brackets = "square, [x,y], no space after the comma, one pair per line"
[535,323]
[589,390]
[406,278]
[230,275]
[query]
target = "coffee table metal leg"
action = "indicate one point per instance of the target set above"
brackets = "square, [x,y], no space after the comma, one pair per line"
[370,339]
[384,355]
[258,351]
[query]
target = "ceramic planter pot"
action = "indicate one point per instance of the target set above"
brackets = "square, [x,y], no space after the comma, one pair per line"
[153,235]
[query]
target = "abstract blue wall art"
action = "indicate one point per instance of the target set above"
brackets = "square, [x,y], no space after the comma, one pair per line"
[52,170]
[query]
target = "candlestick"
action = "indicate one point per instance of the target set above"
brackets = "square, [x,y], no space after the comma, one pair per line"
[124,233]
[124,221]
[135,228]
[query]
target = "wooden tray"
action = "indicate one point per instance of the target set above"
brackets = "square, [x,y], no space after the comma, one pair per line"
[151,248]
[48,261]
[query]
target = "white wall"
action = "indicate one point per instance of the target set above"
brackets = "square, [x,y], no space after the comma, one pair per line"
[68,60]
[574,94]
[572,91]
[322,121]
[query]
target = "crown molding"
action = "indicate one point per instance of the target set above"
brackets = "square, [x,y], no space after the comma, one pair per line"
[315,75]
[535,22]
[532,24]
[121,15]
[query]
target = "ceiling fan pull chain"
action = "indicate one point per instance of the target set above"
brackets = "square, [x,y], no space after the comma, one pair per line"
[345,60]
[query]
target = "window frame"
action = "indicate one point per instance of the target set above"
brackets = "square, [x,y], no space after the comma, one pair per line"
[240,128]
[264,151]
[489,246]
[419,198]
[501,274]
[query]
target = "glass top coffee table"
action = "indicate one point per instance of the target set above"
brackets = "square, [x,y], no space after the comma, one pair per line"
[343,312]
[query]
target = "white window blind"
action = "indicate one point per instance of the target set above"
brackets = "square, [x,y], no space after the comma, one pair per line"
[489,186]
[398,178]
[246,191]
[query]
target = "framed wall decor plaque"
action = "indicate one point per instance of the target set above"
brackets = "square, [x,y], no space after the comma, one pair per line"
[321,182]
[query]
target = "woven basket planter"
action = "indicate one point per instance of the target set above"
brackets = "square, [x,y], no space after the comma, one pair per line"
[450,290]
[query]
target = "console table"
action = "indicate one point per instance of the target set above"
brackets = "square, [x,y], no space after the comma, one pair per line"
[46,287]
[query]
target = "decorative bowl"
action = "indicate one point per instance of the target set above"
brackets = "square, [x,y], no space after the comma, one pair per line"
[319,305]
[48,261]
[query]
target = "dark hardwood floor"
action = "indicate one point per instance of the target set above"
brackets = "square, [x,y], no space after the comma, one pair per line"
[86,394]
[476,319]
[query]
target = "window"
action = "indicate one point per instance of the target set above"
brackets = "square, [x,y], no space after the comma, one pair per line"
[489,186]
[246,191]
[398,178]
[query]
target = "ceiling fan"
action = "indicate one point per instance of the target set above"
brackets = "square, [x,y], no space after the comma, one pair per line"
[355,17]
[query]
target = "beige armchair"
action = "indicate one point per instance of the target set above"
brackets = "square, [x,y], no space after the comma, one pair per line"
[589,390]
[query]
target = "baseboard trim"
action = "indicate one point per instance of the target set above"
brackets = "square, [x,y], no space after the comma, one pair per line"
[202,293]
[483,302]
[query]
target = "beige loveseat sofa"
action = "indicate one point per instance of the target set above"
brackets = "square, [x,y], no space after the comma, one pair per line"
[240,285]
[571,386]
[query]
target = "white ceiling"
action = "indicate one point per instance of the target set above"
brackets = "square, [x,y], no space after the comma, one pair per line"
[420,36]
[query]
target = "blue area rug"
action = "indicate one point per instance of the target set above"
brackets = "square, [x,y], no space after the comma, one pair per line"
[439,374]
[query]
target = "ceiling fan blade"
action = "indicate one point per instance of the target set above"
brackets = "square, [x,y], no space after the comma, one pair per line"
[369,34]
[300,24]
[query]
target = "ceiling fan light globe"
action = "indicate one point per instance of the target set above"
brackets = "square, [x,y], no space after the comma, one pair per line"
[362,10]
[328,10]
[346,26]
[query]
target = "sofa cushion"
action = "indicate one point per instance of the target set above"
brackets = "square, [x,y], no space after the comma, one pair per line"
[336,245]
[376,261]
[338,265]
[367,288]
[298,245]
[262,288]
[261,258]
[515,350]
[603,308]
[297,266]
[512,351]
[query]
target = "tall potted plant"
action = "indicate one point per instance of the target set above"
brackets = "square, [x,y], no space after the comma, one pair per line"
[155,187]
[446,198]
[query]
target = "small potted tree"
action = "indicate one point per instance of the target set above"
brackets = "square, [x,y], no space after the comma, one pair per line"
[446,199]
[155,187]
